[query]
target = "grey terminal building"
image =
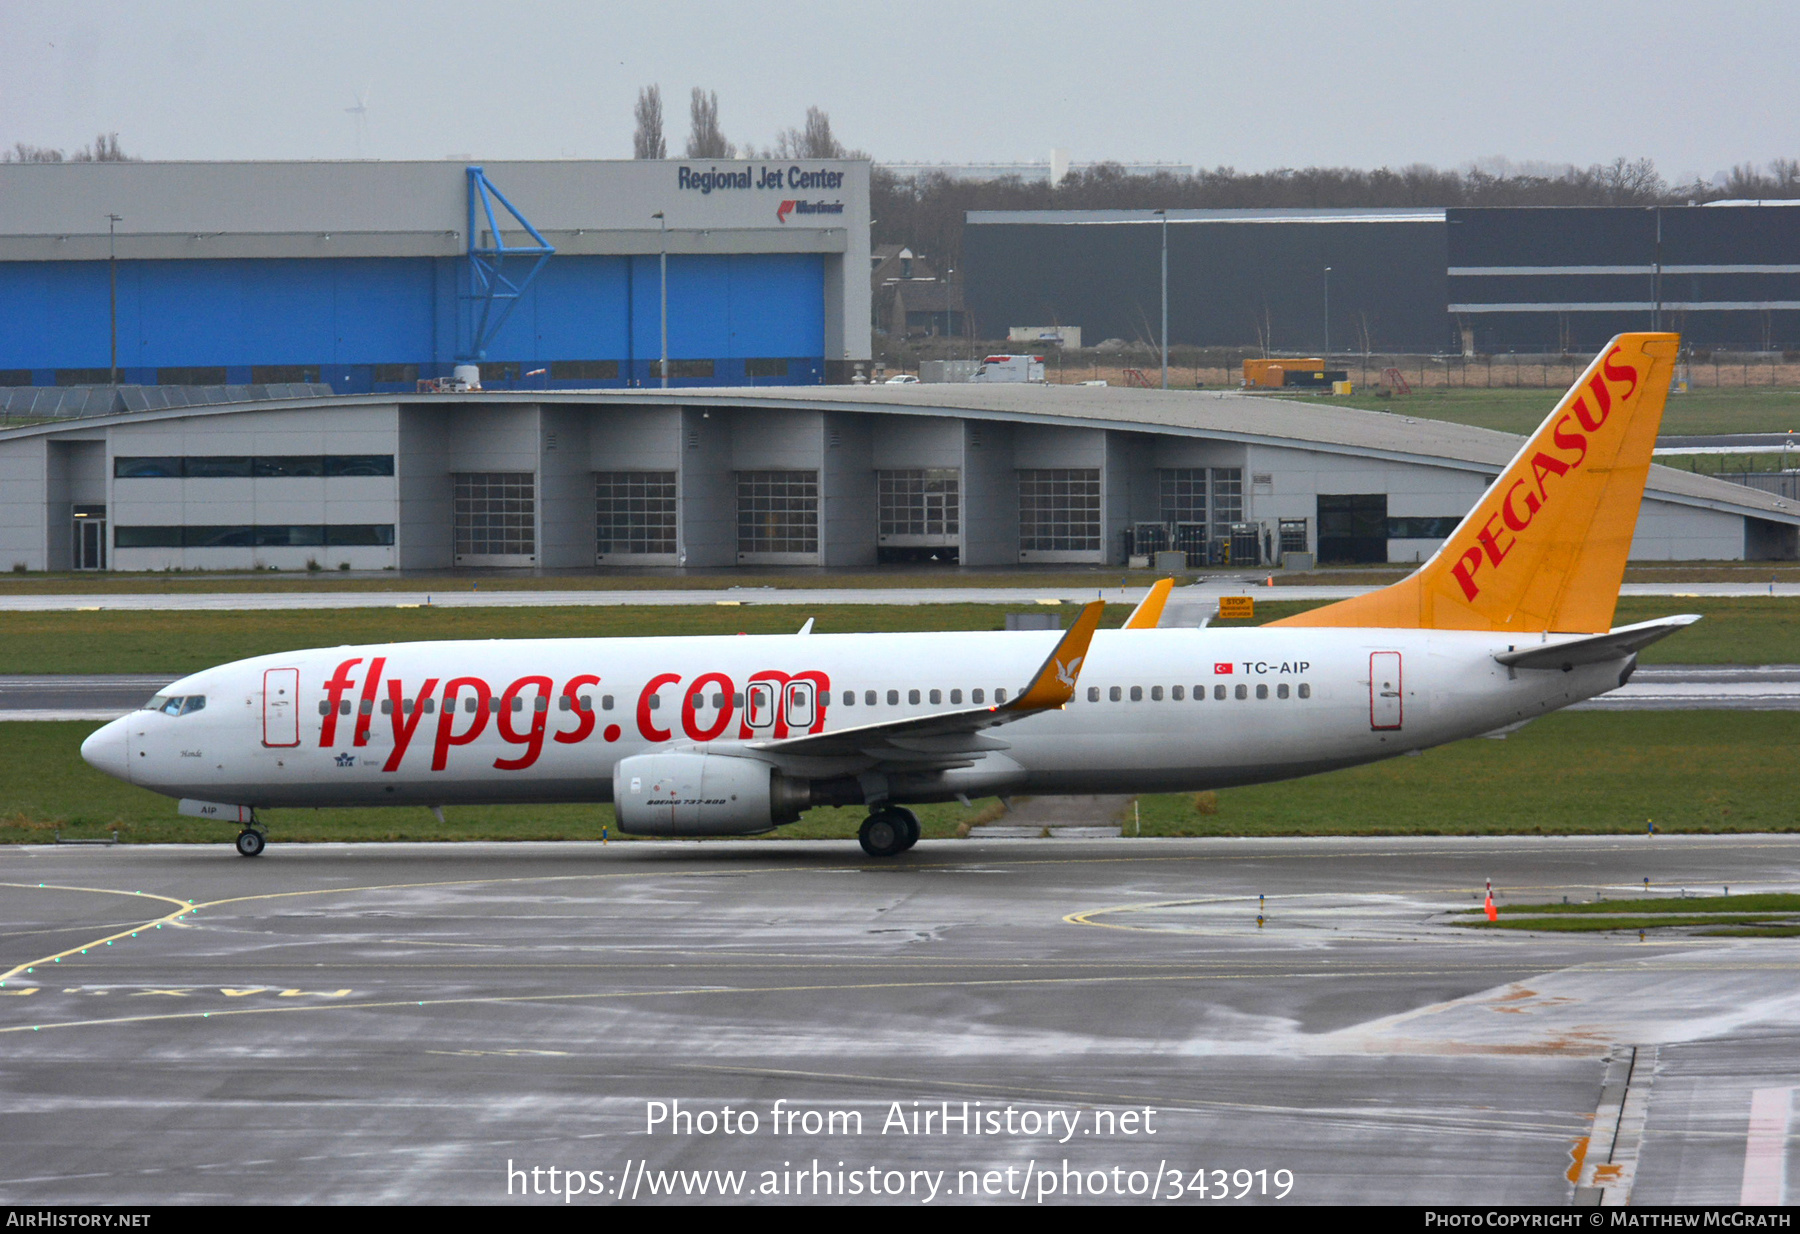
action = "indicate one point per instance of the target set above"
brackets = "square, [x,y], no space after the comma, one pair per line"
[833,476]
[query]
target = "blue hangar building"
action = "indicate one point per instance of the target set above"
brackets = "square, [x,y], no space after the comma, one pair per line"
[371,277]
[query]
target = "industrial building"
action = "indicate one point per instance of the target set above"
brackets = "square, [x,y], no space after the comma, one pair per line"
[983,475]
[1430,281]
[370,277]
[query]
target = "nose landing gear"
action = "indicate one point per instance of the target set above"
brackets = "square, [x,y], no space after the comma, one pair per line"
[889,831]
[250,842]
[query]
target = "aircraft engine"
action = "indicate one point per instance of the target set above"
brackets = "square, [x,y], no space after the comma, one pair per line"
[703,795]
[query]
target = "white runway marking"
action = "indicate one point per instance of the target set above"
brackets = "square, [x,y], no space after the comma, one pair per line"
[1765,1152]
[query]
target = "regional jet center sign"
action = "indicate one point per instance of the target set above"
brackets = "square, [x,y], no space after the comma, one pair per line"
[807,194]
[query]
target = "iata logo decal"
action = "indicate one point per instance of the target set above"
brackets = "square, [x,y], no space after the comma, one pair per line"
[1520,504]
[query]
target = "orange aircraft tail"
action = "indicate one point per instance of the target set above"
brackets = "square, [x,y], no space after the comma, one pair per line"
[1545,547]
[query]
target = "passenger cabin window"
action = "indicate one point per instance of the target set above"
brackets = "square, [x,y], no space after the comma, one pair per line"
[1175,693]
[893,698]
[977,696]
[1137,694]
[1281,691]
[1305,690]
[956,696]
[912,696]
[1093,694]
[1243,691]
[868,698]
[1000,695]
[1115,694]
[1156,694]
[937,696]
[1262,691]
[1219,691]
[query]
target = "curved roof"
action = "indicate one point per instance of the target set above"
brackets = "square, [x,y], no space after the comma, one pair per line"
[1219,415]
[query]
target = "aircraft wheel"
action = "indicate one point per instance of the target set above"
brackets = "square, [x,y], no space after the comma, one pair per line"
[250,843]
[884,833]
[912,826]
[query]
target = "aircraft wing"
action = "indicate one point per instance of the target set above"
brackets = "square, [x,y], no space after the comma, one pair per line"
[1613,645]
[949,738]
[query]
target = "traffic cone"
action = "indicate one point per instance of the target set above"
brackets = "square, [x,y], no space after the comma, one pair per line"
[1493,914]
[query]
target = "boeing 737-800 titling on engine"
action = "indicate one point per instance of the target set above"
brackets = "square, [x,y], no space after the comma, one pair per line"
[1510,619]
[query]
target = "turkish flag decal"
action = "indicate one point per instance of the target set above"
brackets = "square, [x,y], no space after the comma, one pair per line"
[1221,669]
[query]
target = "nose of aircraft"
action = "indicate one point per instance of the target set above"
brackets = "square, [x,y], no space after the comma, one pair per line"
[106,749]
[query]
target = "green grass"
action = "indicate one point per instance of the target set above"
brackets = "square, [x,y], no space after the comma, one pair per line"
[1752,630]
[1586,773]
[1593,925]
[1727,409]
[124,641]
[1579,773]
[1774,902]
[1747,630]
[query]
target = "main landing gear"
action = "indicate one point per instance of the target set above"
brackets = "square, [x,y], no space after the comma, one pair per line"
[889,831]
[250,842]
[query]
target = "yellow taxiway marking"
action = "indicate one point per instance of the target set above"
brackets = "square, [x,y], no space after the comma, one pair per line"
[182,909]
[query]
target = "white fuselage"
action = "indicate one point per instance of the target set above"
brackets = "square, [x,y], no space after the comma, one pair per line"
[1296,701]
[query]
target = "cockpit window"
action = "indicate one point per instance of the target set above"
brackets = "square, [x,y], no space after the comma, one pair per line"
[193,703]
[156,703]
[177,705]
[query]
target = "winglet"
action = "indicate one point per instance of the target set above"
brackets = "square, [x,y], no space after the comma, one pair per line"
[1150,609]
[1054,683]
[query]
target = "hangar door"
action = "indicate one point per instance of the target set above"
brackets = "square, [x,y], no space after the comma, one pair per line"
[1353,527]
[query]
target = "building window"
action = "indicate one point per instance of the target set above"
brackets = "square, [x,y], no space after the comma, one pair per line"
[217,467]
[1059,510]
[394,374]
[920,505]
[15,376]
[1293,535]
[295,535]
[634,511]
[584,370]
[1414,528]
[500,370]
[1181,493]
[767,367]
[778,511]
[495,513]
[83,376]
[278,374]
[683,368]
[263,467]
[1227,500]
[210,375]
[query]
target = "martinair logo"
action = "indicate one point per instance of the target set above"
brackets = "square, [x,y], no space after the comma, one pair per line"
[807,207]
[1526,497]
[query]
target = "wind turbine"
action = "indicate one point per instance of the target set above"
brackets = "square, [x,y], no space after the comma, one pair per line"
[361,114]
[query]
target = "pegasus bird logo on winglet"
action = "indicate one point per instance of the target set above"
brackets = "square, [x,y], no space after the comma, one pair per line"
[1066,673]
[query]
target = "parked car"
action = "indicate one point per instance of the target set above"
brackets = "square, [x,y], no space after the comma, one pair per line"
[903,379]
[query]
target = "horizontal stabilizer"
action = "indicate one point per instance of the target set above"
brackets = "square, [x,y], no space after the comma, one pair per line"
[1613,645]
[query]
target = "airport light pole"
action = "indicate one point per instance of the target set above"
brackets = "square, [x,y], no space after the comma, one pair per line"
[662,258]
[1327,316]
[1165,297]
[112,311]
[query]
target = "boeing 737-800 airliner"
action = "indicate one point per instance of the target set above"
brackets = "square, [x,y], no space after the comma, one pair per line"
[1512,618]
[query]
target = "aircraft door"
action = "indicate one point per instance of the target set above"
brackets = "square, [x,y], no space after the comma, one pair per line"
[281,717]
[800,701]
[1385,710]
[759,706]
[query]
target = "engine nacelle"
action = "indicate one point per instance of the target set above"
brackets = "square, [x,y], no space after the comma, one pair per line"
[678,794]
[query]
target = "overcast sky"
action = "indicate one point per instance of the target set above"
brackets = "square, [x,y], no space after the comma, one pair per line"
[1251,85]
